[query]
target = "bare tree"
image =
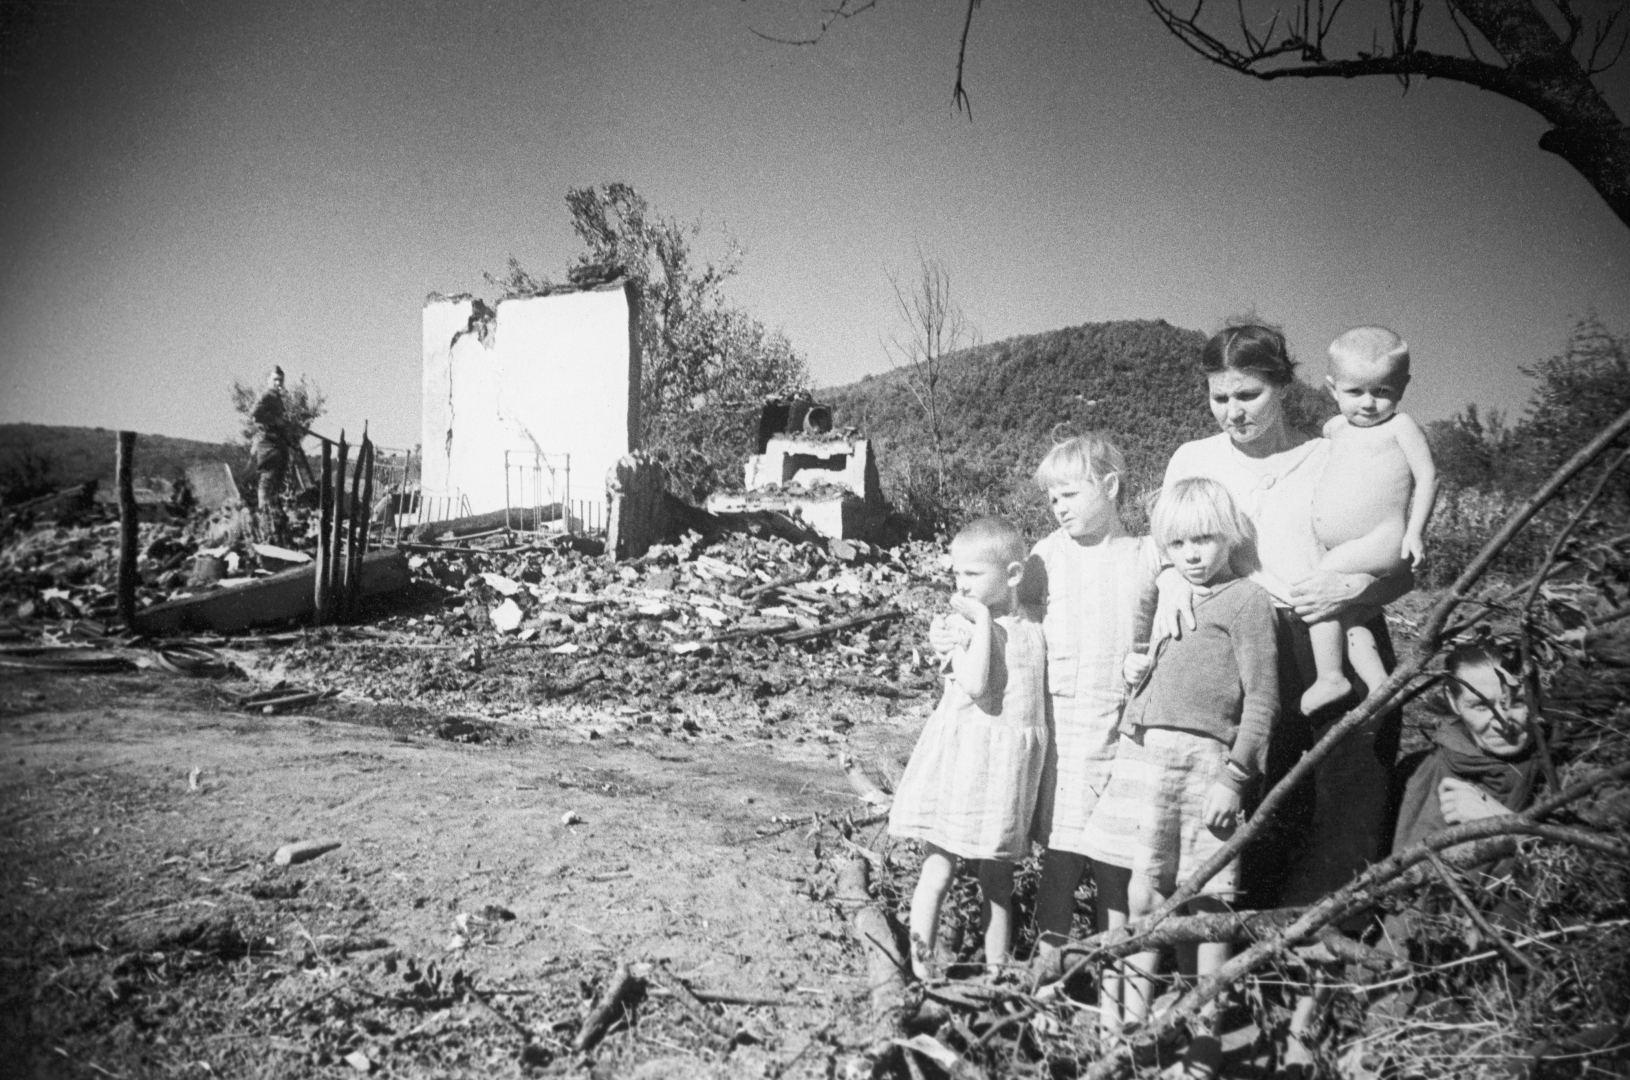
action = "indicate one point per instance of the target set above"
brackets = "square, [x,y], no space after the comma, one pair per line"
[932,327]
[1543,54]
[1538,53]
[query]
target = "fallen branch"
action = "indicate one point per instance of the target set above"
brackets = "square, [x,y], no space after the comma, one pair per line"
[710,1023]
[1360,893]
[1234,927]
[841,624]
[1447,876]
[864,786]
[610,1006]
[779,583]
[885,967]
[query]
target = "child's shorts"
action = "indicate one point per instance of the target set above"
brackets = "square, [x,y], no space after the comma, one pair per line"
[1151,818]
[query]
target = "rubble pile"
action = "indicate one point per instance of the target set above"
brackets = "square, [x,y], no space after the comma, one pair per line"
[744,633]
[747,632]
[70,571]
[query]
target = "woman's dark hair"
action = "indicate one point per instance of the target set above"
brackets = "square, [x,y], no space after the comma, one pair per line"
[1253,347]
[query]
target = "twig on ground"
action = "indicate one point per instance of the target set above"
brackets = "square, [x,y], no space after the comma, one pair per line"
[609,1007]
[1447,876]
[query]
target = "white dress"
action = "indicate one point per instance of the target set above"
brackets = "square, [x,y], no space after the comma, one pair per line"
[1100,604]
[970,787]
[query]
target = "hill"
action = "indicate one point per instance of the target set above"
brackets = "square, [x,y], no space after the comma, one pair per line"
[1004,404]
[40,457]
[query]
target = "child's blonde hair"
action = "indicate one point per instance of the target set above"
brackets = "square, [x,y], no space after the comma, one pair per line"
[1365,345]
[1201,507]
[994,536]
[1088,456]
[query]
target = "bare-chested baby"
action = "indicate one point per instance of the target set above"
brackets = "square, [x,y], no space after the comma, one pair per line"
[1372,504]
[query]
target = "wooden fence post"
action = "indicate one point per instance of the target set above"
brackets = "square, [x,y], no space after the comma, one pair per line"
[124,469]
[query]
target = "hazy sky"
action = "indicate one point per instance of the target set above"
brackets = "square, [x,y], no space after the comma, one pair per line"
[193,191]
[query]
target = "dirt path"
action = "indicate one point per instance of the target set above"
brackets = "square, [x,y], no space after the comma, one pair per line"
[457,930]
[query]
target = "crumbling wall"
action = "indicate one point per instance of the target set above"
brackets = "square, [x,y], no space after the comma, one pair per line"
[555,374]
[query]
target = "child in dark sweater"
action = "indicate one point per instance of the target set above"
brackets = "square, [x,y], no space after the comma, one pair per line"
[1194,733]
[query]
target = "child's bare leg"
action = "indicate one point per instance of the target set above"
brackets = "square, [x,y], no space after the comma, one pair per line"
[1329,641]
[1055,906]
[1377,552]
[1362,652]
[938,867]
[1113,906]
[1209,956]
[1138,984]
[996,910]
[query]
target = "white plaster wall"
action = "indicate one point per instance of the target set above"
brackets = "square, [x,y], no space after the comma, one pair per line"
[560,376]
[441,320]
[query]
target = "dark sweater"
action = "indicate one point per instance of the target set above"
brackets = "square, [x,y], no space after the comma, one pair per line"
[1220,679]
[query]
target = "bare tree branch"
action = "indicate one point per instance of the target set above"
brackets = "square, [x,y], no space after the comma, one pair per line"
[959,93]
[1358,894]
[1535,66]
[1447,876]
[844,10]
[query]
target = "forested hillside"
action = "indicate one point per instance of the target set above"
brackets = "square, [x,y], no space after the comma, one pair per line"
[36,458]
[1003,404]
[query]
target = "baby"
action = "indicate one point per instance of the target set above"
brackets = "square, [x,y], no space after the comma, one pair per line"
[1371,507]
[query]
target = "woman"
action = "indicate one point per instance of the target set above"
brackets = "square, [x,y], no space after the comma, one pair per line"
[1271,471]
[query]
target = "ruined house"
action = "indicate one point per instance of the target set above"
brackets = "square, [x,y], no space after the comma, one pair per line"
[529,403]
[804,469]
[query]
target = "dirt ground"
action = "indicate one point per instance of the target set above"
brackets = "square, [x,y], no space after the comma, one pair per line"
[488,881]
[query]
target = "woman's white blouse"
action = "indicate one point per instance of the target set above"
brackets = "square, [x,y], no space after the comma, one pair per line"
[1276,493]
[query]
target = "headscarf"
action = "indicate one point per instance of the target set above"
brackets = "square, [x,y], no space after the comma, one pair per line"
[1510,780]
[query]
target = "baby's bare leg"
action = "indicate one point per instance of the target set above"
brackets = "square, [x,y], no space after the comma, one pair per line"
[1328,639]
[1376,552]
[1362,652]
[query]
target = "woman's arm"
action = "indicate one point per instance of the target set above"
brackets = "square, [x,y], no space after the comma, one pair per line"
[1175,605]
[1412,441]
[1324,594]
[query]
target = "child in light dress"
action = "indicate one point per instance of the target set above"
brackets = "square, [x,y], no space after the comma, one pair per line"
[970,787]
[1373,502]
[1194,734]
[1096,585]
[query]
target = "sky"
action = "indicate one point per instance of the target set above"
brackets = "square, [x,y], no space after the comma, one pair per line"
[192,191]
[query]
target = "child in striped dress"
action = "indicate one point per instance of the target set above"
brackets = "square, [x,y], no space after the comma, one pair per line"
[1195,731]
[970,786]
[1096,585]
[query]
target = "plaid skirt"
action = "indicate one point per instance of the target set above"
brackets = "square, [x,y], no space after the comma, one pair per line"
[1080,758]
[1151,818]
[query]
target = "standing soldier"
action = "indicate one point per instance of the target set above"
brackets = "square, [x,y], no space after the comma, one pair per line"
[273,436]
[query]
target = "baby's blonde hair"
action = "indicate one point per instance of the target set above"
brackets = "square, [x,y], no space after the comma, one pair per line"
[1088,456]
[1201,507]
[1371,345]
